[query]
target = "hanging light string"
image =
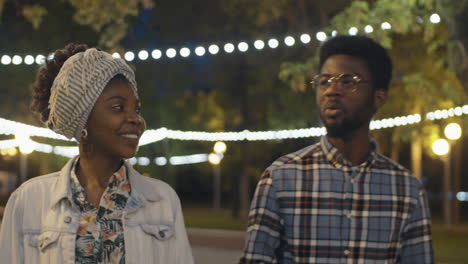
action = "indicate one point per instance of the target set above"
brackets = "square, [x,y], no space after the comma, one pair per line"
[71,151]
[8,127]
[207,49]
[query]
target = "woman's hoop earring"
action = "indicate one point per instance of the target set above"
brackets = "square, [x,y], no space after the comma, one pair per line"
[84,133]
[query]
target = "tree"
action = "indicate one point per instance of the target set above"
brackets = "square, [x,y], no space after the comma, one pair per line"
[112,24]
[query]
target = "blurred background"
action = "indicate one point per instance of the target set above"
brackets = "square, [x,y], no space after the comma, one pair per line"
[244,67]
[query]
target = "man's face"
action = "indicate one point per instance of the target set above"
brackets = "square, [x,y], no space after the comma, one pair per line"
[341,111]
[115,124]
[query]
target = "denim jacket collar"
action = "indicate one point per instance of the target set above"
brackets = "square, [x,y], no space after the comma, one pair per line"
[140,191]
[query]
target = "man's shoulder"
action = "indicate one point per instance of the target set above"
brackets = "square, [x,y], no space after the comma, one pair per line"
[297,158]
[388,166]
[385,163]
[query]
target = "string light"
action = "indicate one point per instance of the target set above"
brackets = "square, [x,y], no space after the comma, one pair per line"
[171,53]
[190,159]
[200,51]
[213,49]
[184,52]
[462,196]
[5,60]
[8,127]
[6,144]
[17,60]
[305,38]
[27,146]
[289,41]
[40,59]
[243,47]
[259,44]
[129,56]
[228,47]
[353,31]
[368,29]
[385,26]
[143,54]
[160,161]
[143,161]
[434,18]
[156,54]
[273,43]
[29,60]
[446,113]
[321,36]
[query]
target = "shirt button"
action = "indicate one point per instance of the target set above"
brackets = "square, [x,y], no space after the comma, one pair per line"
[352,180]
[67,219]
[346,252]
[349,215]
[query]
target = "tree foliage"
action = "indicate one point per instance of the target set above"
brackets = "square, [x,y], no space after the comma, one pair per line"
[108,17]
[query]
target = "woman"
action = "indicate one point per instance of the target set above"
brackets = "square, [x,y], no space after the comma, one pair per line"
[97,209]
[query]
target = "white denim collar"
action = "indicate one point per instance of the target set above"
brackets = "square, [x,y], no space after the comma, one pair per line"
[140,191]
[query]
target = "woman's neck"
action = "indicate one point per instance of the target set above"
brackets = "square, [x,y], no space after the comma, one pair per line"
[97,170]
[93,172]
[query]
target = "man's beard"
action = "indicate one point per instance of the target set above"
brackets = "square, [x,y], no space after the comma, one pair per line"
[352,122]
[345,128]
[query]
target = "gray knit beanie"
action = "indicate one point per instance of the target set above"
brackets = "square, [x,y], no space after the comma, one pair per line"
[77,87]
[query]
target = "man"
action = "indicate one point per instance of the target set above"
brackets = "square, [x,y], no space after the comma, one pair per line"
[339,201]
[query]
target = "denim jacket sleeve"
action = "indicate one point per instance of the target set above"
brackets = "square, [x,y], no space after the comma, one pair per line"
[11,242]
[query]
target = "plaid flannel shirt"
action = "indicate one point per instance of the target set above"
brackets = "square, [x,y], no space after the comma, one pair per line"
[313,206]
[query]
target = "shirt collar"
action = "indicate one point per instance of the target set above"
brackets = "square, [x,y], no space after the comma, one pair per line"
[119,177]
[140,190]
[338,160]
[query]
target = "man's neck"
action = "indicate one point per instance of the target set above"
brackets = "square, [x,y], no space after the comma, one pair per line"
[355,146]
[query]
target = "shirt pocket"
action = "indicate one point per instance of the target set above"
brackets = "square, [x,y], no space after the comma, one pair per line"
[156,244]
[43,240]
[161,232]
[43,247]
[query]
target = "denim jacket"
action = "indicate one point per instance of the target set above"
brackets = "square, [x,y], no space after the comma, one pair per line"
[40,222]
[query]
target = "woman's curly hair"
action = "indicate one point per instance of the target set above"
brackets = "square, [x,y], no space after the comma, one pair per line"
[45,78]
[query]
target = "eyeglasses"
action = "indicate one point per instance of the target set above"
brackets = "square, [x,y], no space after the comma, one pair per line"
[347,82]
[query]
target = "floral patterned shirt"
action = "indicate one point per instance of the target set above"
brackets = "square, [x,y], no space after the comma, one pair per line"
[100,236]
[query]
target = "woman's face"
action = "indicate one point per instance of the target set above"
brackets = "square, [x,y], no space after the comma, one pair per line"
[115,124]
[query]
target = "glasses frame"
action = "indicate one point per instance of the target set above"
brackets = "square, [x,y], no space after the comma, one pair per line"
[356,77]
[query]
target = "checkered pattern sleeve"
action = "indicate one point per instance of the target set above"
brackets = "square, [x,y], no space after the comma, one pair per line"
[264,224]
[416,237]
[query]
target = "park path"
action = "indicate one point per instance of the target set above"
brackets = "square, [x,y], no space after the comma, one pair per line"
[212,246]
